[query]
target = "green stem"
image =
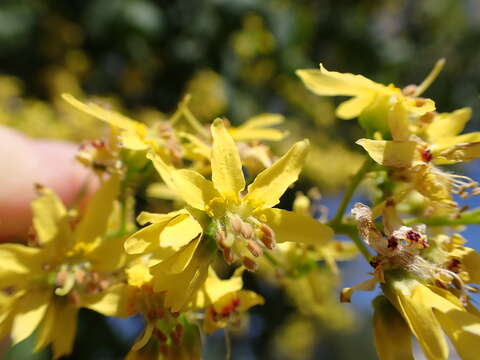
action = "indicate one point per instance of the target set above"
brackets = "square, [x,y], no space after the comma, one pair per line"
[337,223]
[356,180]
[351,231]
[228,345]
[466,218]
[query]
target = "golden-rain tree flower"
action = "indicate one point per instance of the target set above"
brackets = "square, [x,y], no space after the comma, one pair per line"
[63,270]
[242,226]
[245,225]
[373,103]
[224,301]
[414,157]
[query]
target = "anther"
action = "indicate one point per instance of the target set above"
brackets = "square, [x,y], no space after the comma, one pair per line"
[254,249]
[250,264]
[268,236]
[246,230]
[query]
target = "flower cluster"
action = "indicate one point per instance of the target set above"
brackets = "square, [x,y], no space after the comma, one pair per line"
[178,258]
[425,271]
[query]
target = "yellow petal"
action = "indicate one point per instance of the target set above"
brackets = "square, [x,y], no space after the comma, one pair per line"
[470,260]
[176,229]
[463,329]
[461,153]
[46,331]
[215,288]
[414,301]
[353,108]
[448,142]
[331,83]
[446,125]
[390,153]
[398,122]
[109,116]
[18,262]
[110,302]
[181,286]
[95,219]
[180,260]
[192,187]
[258,134]
[146,217]
[461,326]
[50,218]
[414,107]
[271,183]
[109,255]
[249,299]
[144,240]
[391,334]
[179,232]
[65,329]
[30,310]
[197,146]
[289,226]
[256,129]
[227,174]
[262,121]
[132,141]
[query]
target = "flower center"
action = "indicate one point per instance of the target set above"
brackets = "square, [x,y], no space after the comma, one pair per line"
[243,239]
[74,279]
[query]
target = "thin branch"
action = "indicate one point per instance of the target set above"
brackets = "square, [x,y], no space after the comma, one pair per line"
[356,180]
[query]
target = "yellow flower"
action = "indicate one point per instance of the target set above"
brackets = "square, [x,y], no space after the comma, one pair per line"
[243,225]
[167,334]
[372,102]
[413,158]
[69,269]
[224,301]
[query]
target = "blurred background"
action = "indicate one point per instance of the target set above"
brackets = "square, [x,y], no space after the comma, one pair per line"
[236,58]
